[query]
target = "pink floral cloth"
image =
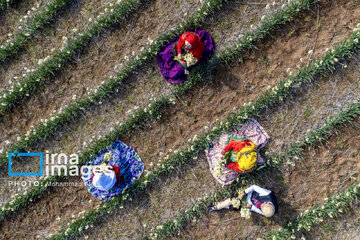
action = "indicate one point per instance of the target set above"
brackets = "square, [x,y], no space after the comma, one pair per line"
[251,130]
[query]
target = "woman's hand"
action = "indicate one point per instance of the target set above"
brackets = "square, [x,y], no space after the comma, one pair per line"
[179,56]
[248,205]
[241,196]
[182,62]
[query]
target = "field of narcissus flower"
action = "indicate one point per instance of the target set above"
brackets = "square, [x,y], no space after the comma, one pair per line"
[78,75]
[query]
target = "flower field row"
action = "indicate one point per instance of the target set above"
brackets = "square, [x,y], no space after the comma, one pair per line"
[135,121]
[105,90]
[24,199]
[178,159]
[24,34]
[274,160]
[138,119]
[48,66]
[332,208]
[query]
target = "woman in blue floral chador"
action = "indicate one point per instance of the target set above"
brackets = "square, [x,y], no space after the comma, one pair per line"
[112,170]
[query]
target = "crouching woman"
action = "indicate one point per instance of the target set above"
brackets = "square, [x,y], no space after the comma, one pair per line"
[259,200]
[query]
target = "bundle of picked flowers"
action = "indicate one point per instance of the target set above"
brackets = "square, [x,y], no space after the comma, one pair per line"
[236,202]
[245,213]
[190,59]
[218,169]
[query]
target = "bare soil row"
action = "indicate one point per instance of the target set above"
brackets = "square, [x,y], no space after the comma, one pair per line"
[202,107]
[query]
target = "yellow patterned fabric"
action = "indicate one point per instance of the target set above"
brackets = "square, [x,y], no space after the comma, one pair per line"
[247,157]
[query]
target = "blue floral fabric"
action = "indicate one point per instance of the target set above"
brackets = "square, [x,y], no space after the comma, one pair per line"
[123,156]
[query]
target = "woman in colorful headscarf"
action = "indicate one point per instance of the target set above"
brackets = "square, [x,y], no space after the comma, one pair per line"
[106,177]
[236,152]
[112,170]
[241,154]
[177,57]
[259,200]
[189,44]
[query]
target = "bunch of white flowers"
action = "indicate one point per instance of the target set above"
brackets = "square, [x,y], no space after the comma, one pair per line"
[190,59]
[245,213]
[218,169]
[236,202]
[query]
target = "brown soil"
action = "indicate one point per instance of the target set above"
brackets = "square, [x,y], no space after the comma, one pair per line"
[99,122]
[320,173]
[10,20]
[236,19]
[325,99]
[347,227]
[49,40]
[135,220]
[41,219]
[190,117]
[134,94]
[97,63]
[228,89]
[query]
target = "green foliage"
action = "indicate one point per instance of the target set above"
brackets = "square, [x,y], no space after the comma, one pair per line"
[332,208]
[21,37]
[274,160]
[36,80]
[178,160]
[105,90]
[110,87]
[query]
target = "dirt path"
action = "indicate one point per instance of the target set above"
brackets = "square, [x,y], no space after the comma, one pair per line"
[99,61]
[346,227]
[109,53]
[50,40]
[10,19]
[207,103]
[323,171]
[138,90]
[52,213]
[138,93]
[203,108]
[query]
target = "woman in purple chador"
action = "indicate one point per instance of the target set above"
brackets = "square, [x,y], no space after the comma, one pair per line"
[177,57]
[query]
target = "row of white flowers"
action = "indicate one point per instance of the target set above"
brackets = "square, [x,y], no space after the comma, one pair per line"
[332,208]
[135,115]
